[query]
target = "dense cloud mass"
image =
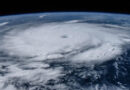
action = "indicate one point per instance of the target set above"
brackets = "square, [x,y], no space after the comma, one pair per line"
[69,55]
[84,41]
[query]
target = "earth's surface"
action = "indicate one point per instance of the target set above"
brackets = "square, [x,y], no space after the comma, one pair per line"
[65,51]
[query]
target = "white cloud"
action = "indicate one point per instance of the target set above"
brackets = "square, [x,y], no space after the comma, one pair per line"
[47,41]
[42,16]
[3,23]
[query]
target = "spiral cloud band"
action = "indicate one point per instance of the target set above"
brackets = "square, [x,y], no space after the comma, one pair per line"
[78,42]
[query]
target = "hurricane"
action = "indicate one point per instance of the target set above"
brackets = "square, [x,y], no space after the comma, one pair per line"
[65,55]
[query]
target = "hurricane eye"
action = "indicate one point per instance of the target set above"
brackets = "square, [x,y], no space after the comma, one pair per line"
[64,36]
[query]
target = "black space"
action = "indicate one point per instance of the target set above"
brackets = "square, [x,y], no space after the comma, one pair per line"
[19,7]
